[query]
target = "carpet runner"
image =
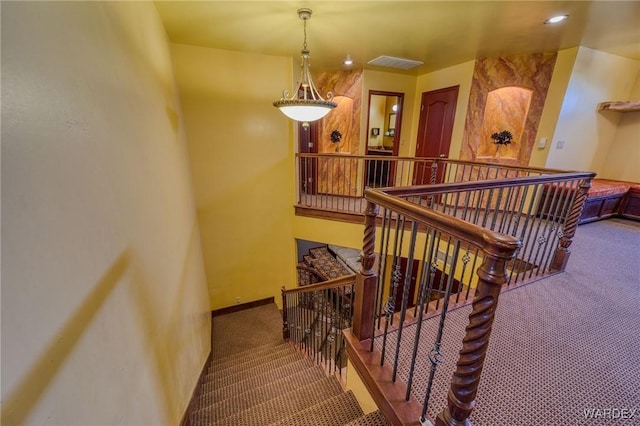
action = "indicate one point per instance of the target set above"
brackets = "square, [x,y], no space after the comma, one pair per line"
[255,378]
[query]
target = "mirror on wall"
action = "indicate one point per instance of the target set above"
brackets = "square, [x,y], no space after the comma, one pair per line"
[383,136]
[383,121]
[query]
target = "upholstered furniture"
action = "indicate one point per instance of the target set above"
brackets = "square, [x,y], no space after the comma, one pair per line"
[606,198]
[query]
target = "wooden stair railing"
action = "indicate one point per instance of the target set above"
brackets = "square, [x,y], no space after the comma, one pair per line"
[481,227]
[495,250]
[313,317]
[498,249]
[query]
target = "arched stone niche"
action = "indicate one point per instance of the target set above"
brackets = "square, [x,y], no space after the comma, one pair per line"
[515,73]
[506,109]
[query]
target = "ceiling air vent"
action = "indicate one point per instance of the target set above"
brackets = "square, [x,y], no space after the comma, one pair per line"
[391,62]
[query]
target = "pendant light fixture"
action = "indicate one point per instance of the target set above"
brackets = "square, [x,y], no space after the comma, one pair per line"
[305,104]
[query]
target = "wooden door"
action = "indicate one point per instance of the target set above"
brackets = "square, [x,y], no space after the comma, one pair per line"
[437,112]
[308,143]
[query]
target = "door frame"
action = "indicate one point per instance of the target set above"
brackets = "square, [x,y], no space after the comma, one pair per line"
[422,127]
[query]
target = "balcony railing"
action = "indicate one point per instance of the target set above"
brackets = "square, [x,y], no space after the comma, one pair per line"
[430,248]
[314,317]
[335,183]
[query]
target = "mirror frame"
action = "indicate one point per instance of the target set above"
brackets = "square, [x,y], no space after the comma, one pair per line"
[398,113]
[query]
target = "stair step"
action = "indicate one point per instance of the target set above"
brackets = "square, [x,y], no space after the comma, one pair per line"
[249,362]
[250,372]
[249,353]
[213,393]
[277,408]
[252,397]
[338,410]
[375,418]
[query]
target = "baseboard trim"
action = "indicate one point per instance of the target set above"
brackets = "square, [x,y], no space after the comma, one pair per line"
[242,307]
[186,418]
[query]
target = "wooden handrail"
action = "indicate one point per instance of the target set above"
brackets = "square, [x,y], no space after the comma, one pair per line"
[434,159]
[334,283]
[441,188]
[490,241]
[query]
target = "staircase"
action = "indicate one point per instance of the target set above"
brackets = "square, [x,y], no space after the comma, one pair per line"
[271,384]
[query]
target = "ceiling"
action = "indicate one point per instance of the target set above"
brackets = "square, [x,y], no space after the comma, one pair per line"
[439,33]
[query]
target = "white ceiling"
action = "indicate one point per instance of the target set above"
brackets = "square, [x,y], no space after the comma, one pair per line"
[439,33]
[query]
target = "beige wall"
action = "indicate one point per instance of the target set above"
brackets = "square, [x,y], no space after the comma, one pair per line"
[376,119]
[552,105]
[104,302]
[241,154]
[623,157]
[461,75]
[588,134]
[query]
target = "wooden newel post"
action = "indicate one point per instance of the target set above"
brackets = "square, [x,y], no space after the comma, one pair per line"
[561,256]
[365,290]
[464,384]
[285,319]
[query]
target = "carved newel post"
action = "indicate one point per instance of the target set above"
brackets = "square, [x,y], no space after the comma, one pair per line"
[285,319]
[561,256]
[366,279]
[464,384]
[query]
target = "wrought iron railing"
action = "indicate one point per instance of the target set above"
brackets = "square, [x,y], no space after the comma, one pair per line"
[446,244]
[314,317]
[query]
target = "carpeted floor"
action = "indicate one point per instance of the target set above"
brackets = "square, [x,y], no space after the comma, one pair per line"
[246,329]
[256,379]
[560,347]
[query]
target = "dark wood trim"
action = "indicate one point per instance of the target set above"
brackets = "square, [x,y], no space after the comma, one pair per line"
[242,307]
[325,285]
[492,243]
[448,160]
[388,396]
[443,188]
[318,213]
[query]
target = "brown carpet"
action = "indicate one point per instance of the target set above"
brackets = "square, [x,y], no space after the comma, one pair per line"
[246,329]
[255,378]
[560,347]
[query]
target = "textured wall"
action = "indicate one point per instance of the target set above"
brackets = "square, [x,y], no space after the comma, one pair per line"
[528,71]
[506,109]
[105,318]
[340,177]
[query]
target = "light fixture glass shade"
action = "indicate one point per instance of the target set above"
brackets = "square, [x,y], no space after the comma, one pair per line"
[303,111]
[305,104]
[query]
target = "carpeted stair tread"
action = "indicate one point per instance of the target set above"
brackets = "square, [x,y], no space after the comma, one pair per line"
[249,353]
[250,372]
[338,410]
[249,362]
[283,406]
[212,393]
[375,418]
[242,401]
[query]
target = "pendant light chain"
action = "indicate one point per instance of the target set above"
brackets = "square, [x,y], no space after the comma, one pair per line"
[305,104]
[304,45]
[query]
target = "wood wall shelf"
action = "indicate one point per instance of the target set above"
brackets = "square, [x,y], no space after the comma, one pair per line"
[621,106]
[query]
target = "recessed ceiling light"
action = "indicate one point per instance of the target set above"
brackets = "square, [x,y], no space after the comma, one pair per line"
[348,60]
[556,19]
